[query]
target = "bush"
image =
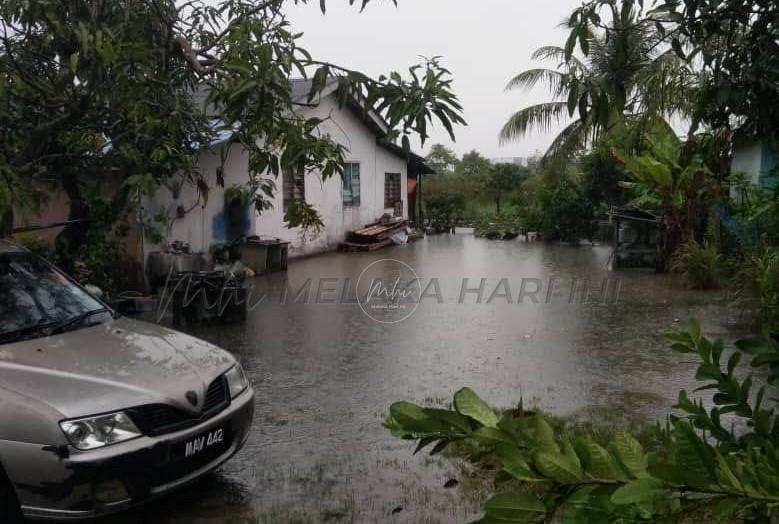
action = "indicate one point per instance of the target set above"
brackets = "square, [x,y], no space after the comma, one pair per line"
[753,223]
[758,288]
[445,207]
[565,212]
[700,265]
[501,226]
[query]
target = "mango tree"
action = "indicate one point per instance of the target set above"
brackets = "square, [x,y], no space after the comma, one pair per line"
[128,90]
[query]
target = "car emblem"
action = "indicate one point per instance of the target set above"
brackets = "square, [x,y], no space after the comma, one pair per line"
[192,397]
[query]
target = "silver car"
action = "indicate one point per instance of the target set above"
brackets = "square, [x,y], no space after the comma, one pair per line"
[99,413]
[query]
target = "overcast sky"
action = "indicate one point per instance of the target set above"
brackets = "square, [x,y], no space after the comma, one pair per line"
[484,43]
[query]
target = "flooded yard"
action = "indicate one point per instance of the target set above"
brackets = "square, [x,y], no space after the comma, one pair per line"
[325,375]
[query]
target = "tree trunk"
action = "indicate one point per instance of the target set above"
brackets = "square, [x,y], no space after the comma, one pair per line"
[668,240]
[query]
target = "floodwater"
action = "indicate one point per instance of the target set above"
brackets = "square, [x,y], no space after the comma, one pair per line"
[325,374]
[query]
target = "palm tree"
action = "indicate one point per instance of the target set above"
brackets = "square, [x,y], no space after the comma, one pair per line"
[627,74]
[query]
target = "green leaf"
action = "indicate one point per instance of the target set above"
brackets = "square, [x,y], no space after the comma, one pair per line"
[543,435]
[599,463]
[73,62]
[558,467]
[491,436]
[514,506]
[467,403]
[726,507]
[641,491]
[514,463]
[630,452]
[754,347]
[733,362]
[413,419]
[693,456]
[448,417]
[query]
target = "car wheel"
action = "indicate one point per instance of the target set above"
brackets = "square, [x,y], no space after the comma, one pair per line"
[9,505]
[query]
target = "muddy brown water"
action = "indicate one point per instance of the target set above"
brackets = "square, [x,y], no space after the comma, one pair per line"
[325,375]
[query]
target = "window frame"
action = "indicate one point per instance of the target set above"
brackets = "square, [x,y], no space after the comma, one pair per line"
[348,179]
[293,187]
[388,202]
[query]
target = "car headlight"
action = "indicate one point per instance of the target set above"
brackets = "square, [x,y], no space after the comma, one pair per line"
[102,430]
[236,380]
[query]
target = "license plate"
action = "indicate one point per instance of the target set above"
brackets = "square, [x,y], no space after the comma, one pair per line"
[216,438]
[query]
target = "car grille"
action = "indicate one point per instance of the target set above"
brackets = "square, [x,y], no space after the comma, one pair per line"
[158,419]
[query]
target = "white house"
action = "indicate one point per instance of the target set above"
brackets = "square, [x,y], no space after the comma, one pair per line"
[375,183]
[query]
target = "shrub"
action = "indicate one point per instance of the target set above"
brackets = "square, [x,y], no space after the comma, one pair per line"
[445,207]
[700,265]
[758,288]
[565,212]
[502,226]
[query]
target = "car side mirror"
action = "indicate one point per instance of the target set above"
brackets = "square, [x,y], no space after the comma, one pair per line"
[94,290]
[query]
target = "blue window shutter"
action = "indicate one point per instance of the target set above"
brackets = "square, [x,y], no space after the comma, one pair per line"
[356,185]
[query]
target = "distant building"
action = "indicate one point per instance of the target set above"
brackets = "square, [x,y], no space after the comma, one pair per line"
[525,161]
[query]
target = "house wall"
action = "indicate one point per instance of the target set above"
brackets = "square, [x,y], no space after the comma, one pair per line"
[759,161]
[769,178]
[748,159]
[345,127]
[205,225]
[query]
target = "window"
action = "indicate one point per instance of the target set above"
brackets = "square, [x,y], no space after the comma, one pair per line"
[294,187]
[391,190]
[351,180]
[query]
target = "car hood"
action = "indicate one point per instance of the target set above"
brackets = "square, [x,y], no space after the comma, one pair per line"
[112,366]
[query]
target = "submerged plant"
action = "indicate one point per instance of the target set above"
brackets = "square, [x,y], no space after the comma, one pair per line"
[697,464]
[500,226]
[700,265]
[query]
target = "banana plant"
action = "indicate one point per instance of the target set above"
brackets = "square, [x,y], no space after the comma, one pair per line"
[677,176]
[564,475]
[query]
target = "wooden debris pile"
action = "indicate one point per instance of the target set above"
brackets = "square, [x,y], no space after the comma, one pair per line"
[373,236]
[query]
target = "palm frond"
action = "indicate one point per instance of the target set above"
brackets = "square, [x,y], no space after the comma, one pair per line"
[666,86]
[532,77]
[539,116]
[552,52]
[570,141]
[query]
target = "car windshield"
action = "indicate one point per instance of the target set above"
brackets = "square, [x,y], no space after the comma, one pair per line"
[36,299]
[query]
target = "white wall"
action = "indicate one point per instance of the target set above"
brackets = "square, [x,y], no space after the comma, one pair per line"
[345,127]
[202,226]
[748,159]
